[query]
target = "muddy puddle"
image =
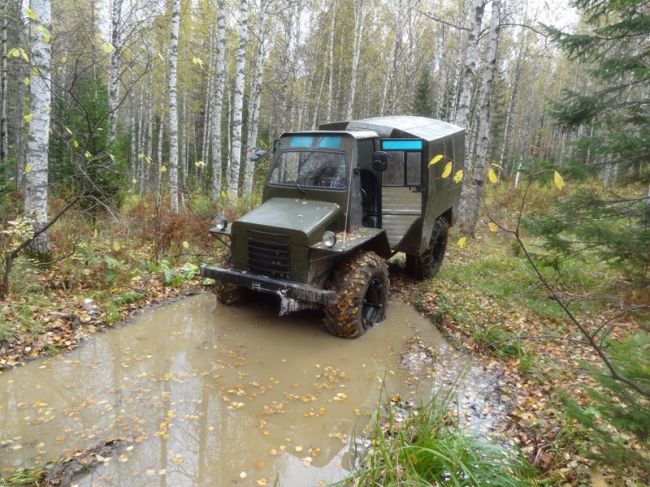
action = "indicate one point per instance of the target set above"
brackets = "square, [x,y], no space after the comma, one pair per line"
[204,394]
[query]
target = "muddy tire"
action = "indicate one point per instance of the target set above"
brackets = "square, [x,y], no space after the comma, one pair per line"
[227,293]
[361,285]
[428,264]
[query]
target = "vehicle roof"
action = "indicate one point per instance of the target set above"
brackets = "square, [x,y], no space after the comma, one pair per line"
[357,134]
[397,126]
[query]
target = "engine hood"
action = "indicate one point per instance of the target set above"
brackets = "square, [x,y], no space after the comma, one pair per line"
[291,216]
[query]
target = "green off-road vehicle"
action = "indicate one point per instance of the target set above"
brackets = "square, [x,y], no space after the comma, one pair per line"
[338,202]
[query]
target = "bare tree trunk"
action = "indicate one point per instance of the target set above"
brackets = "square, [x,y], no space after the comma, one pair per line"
[116,64]
[173,109]
[4,138]
[36,177]
[254,110]
[473,183]
[512,104]
[469,66]
[359,24]
[218,99]
[19,148]
[330,60]
[238,102]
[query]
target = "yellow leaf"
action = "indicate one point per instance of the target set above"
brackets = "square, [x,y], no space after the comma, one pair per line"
[447,171]
[436,159]
[186,245]
[107,47]
[163,169]
[558,181]
[116,246]
[30,13]
[224,195]
[492,176]
[461,242]
[87,155]
[25,57]
[15,52]
[28,118]
[75,144]
[458,177]
[134,181]
[26,81]
[493,227]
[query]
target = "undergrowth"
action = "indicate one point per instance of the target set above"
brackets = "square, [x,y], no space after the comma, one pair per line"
[429,449]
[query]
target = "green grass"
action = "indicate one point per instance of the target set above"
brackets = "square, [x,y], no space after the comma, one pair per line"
[23,477]
[427,450]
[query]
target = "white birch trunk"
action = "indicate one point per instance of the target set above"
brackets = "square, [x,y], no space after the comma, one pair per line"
[173,109]
[218,99]
[116,64]
[4,137]
[359,18]
[469,66]
[238,102]
[36,177]
[474,181]
[330,61]
[254,112]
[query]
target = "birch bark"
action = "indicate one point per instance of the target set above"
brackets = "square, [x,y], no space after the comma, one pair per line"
[218,99]
[473,183]
[359,17]
[330,61]
[238,102]
[116,63]
[36,177]
[173,109]
[4,138]
[469,66]
[254,110]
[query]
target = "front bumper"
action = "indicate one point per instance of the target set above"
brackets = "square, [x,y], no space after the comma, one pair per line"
[265,284]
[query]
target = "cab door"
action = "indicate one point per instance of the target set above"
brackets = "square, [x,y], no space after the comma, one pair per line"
[401,189]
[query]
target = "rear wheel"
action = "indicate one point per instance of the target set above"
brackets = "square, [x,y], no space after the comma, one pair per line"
[428,264]
[361,285]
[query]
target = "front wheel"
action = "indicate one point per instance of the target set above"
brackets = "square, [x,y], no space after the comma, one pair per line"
[361,285]
[428,264]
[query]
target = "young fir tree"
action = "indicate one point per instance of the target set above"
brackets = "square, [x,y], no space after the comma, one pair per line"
[423,102]
[613,49]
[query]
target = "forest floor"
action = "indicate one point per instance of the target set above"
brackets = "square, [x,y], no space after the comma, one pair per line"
[485,299]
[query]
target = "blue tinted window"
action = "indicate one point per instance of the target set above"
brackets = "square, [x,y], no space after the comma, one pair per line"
[301,141]
[401,144]
[329,142]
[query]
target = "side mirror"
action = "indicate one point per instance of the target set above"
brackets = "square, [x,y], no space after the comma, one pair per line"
[258,154]
[379,161]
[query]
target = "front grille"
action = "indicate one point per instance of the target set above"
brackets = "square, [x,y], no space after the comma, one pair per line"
[268,257]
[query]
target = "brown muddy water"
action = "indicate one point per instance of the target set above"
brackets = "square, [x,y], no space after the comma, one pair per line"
[212,395]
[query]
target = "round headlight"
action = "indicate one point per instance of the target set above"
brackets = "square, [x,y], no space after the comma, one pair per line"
[220,223]
[329,239]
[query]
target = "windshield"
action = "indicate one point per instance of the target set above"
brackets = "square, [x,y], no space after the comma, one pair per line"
[310,169]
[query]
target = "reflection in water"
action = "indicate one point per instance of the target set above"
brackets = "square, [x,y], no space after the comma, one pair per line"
[209,395]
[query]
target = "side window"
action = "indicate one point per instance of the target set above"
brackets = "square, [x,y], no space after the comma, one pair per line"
[394,174]
[413,168]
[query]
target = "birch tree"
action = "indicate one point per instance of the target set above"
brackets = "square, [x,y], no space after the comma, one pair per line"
[173,108]
[359,18]
[238,101]
[114,76]
[4,140]
[470,64]
[36,168]
[473,183]
[220,69]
